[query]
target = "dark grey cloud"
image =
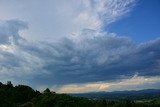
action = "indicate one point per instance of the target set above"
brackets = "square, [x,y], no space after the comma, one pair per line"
[90,56]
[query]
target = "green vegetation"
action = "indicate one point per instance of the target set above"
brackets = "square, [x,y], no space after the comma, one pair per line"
[25,96]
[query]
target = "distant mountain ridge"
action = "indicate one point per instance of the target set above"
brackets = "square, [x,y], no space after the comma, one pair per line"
[128,94]
[133,91]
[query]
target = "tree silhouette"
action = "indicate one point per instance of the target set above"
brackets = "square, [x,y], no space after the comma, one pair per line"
[47,90]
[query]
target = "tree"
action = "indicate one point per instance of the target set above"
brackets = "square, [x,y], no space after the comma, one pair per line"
[47,90]
[9,84]
[1,84]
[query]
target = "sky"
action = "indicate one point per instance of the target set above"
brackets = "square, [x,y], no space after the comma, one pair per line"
[80,46]
[142,24]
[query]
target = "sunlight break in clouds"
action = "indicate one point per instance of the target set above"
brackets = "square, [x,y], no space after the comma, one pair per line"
[94,58]
[129,84]
[80,88]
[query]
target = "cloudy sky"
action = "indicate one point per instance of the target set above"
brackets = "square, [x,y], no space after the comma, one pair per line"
[80,45]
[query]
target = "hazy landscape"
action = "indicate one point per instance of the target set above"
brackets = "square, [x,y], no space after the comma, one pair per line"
[79,53]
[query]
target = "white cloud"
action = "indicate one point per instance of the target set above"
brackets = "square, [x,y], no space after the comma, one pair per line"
[97,13]
[50,20]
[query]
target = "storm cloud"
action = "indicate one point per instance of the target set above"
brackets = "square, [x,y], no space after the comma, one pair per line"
[91,56]
[83,53]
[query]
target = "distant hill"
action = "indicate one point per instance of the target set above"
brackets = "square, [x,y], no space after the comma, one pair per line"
[132,95]
[25,96]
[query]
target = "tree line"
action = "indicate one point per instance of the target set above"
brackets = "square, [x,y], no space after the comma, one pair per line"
[25,96]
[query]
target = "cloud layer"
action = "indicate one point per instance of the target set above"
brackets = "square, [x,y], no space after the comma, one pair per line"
[134,83]
[9,31]
[87,56]
[59,18]
[94,56]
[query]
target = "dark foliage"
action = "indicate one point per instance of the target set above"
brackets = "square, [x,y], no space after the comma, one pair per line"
[25,96]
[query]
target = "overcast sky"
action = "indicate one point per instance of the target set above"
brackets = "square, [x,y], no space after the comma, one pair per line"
[80,45]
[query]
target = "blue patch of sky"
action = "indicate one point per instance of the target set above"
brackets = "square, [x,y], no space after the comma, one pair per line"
[141,24]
